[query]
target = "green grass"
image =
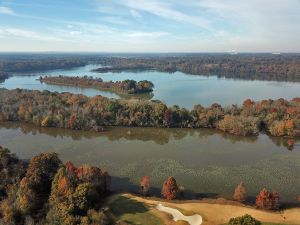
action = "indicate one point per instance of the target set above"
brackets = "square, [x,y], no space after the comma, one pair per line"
[273,224]
[132,212]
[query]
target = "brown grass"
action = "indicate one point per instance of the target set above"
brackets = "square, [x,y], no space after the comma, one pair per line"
[219,212]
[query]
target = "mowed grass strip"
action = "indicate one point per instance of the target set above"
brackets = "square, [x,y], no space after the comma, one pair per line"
[130,211]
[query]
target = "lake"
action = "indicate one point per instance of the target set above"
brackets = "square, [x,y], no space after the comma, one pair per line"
[207,163]
[175,88]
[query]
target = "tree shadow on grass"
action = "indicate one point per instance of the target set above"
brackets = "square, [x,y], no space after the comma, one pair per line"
[124,205]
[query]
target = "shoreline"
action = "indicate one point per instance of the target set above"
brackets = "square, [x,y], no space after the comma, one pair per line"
[214,211]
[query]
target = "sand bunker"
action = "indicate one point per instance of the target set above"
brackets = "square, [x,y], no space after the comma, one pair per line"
[177,215]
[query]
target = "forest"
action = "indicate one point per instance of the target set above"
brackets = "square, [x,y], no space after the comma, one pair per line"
[284,67]
[122,87]
[241,66]
[75,111]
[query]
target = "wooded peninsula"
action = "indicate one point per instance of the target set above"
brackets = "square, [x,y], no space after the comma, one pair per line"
[121,87]
[75,111]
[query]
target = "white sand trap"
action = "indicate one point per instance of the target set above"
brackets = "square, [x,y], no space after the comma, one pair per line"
[177,215]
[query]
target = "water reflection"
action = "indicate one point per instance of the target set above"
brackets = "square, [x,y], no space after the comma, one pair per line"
[203,161]
[159,136]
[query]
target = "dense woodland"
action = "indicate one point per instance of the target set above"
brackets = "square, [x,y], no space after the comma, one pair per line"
[28,63]
[65,110]
[45,191]
[284,67]
[241,66]
[122,87]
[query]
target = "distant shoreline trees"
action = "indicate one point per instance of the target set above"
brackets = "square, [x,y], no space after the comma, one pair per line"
[284,67]
[75,111]
[242,66]
[3,76]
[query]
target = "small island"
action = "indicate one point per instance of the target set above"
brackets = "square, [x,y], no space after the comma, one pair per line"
[119,87]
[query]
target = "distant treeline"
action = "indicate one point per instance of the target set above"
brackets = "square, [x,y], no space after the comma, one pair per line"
[251,67]
[285,67]
[65,110]
[122,87]
[3,76]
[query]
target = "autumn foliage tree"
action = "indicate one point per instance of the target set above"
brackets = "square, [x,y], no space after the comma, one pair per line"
[35,187]
[145,185]
[75,191]
[239,193]
[170,189]
[46,192]
[74,111]
[268,200]
[11,170]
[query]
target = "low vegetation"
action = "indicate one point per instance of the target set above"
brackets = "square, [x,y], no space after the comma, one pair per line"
[122,87]
[74,111]
[244,220]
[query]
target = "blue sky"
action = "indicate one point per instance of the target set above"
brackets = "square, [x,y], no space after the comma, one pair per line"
[150,25]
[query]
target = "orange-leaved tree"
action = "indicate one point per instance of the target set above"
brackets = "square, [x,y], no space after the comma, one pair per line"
[267,200]
[145,185]
[170,189]
[239,193]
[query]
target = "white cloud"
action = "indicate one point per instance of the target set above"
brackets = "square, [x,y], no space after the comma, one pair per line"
[7,11]
[165,10]
[114,20]
[135,14]
[146,34]
[21,33]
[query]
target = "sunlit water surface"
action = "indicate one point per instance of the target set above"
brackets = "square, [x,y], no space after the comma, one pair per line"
[171,88]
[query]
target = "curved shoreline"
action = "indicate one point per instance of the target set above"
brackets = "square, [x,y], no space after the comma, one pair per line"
[220,211]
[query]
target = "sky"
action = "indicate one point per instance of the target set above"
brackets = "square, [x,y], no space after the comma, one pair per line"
[150,25]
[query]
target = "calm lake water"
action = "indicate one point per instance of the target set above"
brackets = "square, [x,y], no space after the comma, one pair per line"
[177,88]
[204,161]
